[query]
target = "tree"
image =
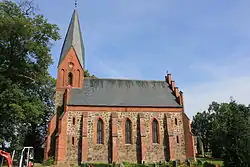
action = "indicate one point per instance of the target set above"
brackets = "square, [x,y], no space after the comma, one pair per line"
[26,88]
[227,128]
[231,133]
[201,127]
[88,75]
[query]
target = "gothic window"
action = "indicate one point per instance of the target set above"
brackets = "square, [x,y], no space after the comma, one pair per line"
[70,79]
[100,131]
[155,131]
[175,121]
[128,132]
[74,120]
[177,139]
[73,141]
[79,77]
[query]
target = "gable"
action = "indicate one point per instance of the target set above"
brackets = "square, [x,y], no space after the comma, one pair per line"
[117,92]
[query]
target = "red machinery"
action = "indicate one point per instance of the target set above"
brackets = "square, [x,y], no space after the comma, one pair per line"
[7,156]
[25,159]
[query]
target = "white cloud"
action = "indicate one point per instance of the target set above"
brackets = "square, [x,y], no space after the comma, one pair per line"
[198,97]
[230,79]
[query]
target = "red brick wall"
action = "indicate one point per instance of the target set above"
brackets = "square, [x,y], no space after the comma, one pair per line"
[189,139]
[48,150]
[64,69]
[59,122]
[61,143]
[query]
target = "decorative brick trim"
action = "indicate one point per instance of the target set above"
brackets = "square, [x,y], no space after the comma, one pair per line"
[95,130]
[114,121]
[124,120]
[85,136]
[51,129]
[85,124]
[168,78]
[114,117]
[176,92]
[122,109]
[172,85]
[181,98]
[188,137]
[172,144]
[143,136]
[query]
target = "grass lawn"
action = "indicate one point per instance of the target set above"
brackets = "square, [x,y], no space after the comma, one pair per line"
[211,160]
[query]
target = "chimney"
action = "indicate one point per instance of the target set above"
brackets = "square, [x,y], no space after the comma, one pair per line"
[172,85]
[176,91]
[168,78]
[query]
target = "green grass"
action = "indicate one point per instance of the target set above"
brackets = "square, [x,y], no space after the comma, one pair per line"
[211,160]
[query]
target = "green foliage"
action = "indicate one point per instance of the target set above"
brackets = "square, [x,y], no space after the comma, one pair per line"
[199,162]
[88,75]
[26,88]
[207,164]
[127,164]
[202,128]
[50,161]
[96,164]
[232,133]
[230,129]
[200,146]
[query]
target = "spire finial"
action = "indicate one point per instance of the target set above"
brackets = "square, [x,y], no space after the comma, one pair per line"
[76,3]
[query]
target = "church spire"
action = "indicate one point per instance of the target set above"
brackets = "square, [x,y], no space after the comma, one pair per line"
[74,39]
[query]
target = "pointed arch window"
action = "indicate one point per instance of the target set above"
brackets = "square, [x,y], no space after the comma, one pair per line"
[100,131]
[79,77]
[128,132]
[73,141]
[155,131]
[70,79]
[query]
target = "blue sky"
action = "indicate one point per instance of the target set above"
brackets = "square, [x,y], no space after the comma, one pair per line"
[205,45]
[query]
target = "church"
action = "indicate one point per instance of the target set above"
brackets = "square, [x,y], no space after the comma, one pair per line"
[114,120]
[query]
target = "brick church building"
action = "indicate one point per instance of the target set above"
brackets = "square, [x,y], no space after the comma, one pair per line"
[114,120]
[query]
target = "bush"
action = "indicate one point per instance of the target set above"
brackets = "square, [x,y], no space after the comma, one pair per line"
[96,165]
[199,162]
[207,164]
[127,164]
[50,161]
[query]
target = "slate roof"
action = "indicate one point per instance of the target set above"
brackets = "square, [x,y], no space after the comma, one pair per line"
[121,92]
[74,39]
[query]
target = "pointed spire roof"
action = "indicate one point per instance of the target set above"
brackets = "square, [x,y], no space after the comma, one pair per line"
[74,39]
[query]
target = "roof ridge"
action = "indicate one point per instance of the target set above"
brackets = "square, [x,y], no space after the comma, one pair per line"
[120,79]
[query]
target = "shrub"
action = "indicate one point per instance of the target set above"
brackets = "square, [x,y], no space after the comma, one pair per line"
[127,164]
[199,162]
[50,161]
[207,164]
[95,165]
